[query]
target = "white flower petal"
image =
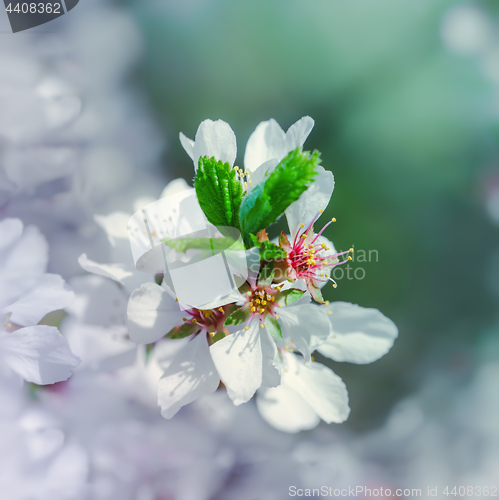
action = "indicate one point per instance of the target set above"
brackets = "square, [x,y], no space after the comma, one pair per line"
[262,171]
[115,225]
[285,410]
[215,138]
[49,294]
[358,335]
[175,186]
[191,375]
[22,265]
[271,375]
[187,144]
[98,301]
[152,313]
[11,230]
[129,277]
[314,199]
[116,272]
[100,349]
[267,142]
[40,354]
[298,132]
[239,362]
[322,389]
[306,325]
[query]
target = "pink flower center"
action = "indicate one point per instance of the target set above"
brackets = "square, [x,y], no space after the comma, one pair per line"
[309,259]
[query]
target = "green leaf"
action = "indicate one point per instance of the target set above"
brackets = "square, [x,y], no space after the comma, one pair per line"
[219,192]
[180,332]
[267,274]
[269,250]
[287,297]
[218,336]
[239,316]
[213,244]
[254,206]
[273,327]
[269,199]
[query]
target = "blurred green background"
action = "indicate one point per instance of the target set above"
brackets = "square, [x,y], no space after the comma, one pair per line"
[405,109]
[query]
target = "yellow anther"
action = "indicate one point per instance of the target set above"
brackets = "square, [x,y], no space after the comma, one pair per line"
[334,219]
[264,302]
[246,328]
[221,309]
[327,302]
[261,325]
[330,313]
[212,334]
[184,319]
[280,305]
[257,301]
[253,309]
[176,300]
[276,317]
[194,320]
[303,235]
[262,310]
[321,211]
[245,184]
[351,250]
[349,258]
[334,285]
[302,226]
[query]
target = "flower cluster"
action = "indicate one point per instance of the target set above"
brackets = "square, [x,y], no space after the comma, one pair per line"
[260,337]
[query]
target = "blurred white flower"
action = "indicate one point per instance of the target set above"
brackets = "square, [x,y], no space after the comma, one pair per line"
[39,353]
[466,29]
